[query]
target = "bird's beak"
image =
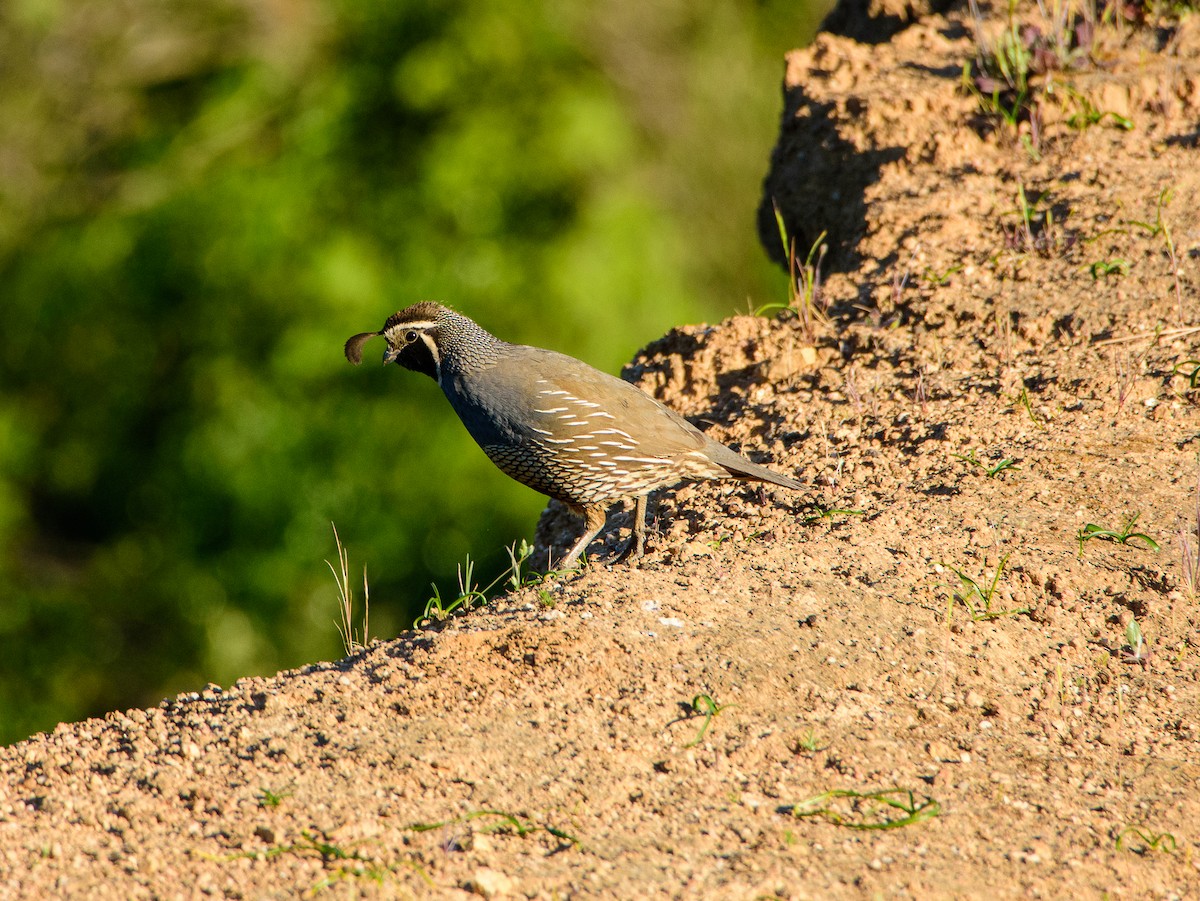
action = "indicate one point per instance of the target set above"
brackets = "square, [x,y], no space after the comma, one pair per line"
[389,355]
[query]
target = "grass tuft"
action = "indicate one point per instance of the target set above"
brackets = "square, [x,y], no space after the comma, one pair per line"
[805,299]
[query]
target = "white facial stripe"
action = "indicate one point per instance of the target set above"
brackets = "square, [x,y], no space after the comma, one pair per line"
[433,351]
[416,325]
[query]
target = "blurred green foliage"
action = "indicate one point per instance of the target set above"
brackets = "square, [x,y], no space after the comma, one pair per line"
[201,199]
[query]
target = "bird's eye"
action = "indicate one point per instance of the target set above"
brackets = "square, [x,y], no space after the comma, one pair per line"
[410,336]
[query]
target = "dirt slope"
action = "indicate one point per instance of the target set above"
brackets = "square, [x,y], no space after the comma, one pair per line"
[553,736]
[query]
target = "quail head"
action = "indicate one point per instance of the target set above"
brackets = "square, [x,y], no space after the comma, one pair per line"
[556,424]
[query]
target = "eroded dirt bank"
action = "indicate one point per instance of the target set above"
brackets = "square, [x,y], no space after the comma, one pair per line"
[553,735]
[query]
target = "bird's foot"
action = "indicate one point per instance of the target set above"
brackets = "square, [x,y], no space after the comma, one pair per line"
[633,550]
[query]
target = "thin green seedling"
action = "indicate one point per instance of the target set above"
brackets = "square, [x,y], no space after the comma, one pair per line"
[971,458]
[1026,211]
[1162,227]
[1189,553]
[1151,840]
[830,512]
[808,742]
[352,641]
[703,705]
[869,810]
[310,844]
[1023,400]
[1123,535]
[1036,230]
[1137,652]
[1088,115]
[269,799]
[933,278]
[519,826]
[471,595]
[1104,268]
[1159,226]
[517,557]
[346,863]
[977,596]
[1193,377]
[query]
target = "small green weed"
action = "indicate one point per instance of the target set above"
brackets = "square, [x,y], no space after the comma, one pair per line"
[1123,535]
[1193,377]
[933,278]
[999,79]
[1189,553]
[971,458]
[1088,115]
[1023,400]
[1146,840]
[1160,226]
[519,826]
[977,596]
[268,798]
[1036,231]
[470,594]
[820,512]
[705,706]
[1137,651]
[341,863]
[869,810]
[1001,75]
[1105,268]
[808,743]
[518,556]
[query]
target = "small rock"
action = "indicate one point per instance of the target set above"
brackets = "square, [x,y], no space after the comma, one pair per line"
[482,843]
[490,883]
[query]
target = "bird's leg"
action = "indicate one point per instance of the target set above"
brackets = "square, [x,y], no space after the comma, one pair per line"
[637,540]
[594,516]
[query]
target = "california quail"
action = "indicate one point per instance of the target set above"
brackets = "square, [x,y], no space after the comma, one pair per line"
[556,424]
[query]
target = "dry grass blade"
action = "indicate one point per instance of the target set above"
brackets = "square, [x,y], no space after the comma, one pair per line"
[351,641]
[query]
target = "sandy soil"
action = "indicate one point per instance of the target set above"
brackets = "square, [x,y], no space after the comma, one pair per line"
[548,746]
